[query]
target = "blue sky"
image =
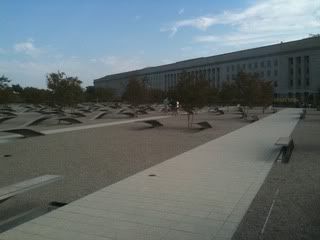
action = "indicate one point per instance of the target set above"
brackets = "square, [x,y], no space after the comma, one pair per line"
[90,39]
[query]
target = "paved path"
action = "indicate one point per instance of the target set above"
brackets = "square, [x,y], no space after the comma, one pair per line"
[200,194]
[287,206]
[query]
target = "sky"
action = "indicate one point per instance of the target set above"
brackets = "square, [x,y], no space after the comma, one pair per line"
[93,38]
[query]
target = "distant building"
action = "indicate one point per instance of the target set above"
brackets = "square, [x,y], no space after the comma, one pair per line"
[293,67]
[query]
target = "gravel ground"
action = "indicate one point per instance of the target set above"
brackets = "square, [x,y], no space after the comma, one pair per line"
[92,159]
[295,190]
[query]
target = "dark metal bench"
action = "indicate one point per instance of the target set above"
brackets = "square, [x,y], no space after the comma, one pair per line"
[287,146]
[153,123]
[204,125]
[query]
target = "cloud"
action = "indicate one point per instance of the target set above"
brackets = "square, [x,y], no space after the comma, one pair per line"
[261,19]
[2,51]
[201,23]
[181,11]
[27,48]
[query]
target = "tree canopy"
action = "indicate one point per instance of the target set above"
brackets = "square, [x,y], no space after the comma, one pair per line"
[66,91]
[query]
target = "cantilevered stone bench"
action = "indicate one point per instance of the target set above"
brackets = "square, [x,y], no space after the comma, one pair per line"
[153,123]
[204,125]
[24,132]
[2,119]
[69,120]
[287,146]
[37,121]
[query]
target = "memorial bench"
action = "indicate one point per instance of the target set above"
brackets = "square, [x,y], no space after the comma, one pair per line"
[204,125]
[287,146]
[153,123]
[252,118]
[24,132]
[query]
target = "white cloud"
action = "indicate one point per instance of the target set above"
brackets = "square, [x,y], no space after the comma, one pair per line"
[264,19]
[27,48]
[181,11]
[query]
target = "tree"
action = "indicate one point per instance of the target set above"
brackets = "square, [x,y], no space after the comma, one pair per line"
[192,92]
[155,95]
[66,90]
[265,94]
[4,82]
[227,93]
[5,91]
[135,92]
[35,95]
[247,90]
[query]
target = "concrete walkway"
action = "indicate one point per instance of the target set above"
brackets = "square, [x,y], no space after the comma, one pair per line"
[200,194]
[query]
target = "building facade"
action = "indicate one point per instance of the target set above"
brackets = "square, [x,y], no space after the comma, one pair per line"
[293,67]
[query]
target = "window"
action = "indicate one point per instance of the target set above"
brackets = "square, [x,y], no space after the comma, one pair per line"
[232,67]
[275,84]
[262,64]
[250,65]
[268,73]
[275,73]
[291,82]
[228,69]
[269,63]
[255,65]
[275,62]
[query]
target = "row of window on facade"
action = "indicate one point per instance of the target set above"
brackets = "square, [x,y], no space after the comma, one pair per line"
[253,65]
[261,74]
[298,71]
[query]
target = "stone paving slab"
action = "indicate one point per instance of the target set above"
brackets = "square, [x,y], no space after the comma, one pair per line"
[200,194]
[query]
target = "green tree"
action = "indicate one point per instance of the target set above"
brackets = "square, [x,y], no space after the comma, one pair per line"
[192,92]
[66,91]
[265,94]
[104,94]
[227,93]
[4,82]
[6,93]
[135,92]
[35,95]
